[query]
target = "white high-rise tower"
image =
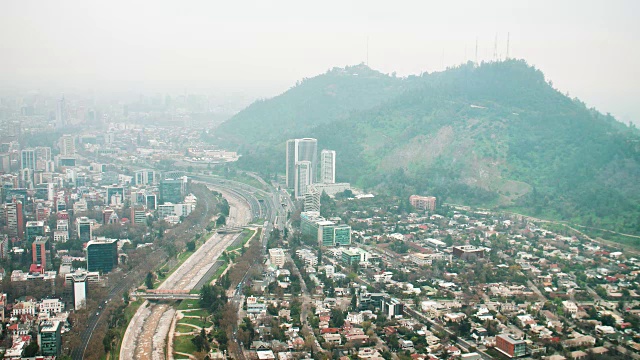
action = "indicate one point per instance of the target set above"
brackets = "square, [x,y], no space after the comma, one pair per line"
[328,167]
[302,178]
[301,150]
[67,146]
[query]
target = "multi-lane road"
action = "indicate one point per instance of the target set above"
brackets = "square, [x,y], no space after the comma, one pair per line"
[251,203]
[121,283]
[148,331]
[149,328]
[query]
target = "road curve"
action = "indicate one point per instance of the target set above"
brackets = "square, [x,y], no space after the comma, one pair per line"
[148,329]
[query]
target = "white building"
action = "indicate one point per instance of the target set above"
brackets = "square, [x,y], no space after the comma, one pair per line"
[276,256]
[51,306]
[355,317]
[332,189]
[329,270]
[570,308]
[60,236]
[24,308]
[304,178]
[67,145]
[312,199]
[79,290]
[62,225]
[299,150]
[328,167]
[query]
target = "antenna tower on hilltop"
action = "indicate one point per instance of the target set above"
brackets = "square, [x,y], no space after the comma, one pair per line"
[367,51]
[476,50]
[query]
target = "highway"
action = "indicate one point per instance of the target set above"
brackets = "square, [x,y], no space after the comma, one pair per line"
[147,330]
[127,282]
[261,204]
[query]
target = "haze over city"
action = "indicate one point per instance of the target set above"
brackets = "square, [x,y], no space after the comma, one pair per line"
[259,49]
[292,180]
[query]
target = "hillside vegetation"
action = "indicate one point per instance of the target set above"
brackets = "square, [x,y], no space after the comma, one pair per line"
[496,135]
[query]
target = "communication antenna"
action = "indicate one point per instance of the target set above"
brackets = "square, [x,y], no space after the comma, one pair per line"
[508,46]
[495,48]
[476,50]
[367,51]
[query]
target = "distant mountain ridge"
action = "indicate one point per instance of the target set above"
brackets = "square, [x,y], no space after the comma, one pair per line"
[497,135]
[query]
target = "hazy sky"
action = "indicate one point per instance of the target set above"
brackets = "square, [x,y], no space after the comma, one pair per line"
[588,48]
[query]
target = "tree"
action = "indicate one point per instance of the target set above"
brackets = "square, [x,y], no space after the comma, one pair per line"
[393,342]
[191,245]
[464,329]
[222,339]
[149,280]
[109,339]
[31,350]
[200,342]
[448,240]
[337,318]
[608,320]
[221,221]
[354,302]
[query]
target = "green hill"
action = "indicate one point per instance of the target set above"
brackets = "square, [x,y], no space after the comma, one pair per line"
[329,97]
[497,135]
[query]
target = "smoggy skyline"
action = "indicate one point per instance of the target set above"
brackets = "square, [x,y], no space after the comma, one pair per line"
[260,49]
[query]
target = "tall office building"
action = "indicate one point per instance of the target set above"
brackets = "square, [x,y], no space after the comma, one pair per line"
[301,150]
[34,229]
[151,201]
[67,146]
[303,178]
[84,228]
[39,251]
[61,115]
[328,167]
[312,199]
[43,153]
[28,159]
[43,158]
[174,190]
[15,220]
[145,177]
[115,195]
[102,255]
[50,338]
[79,290]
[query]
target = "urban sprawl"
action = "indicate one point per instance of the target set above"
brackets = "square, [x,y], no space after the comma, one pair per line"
[143,241]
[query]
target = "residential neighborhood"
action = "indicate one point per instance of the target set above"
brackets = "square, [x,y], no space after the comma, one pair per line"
[450,282]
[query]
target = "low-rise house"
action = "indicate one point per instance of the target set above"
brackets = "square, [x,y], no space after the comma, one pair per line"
[368,353]
[265,355]
[355,318]
[454,317]
[334,339]
[406,345]
[570,308]
[24,308]
[580,341]
[578,355]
